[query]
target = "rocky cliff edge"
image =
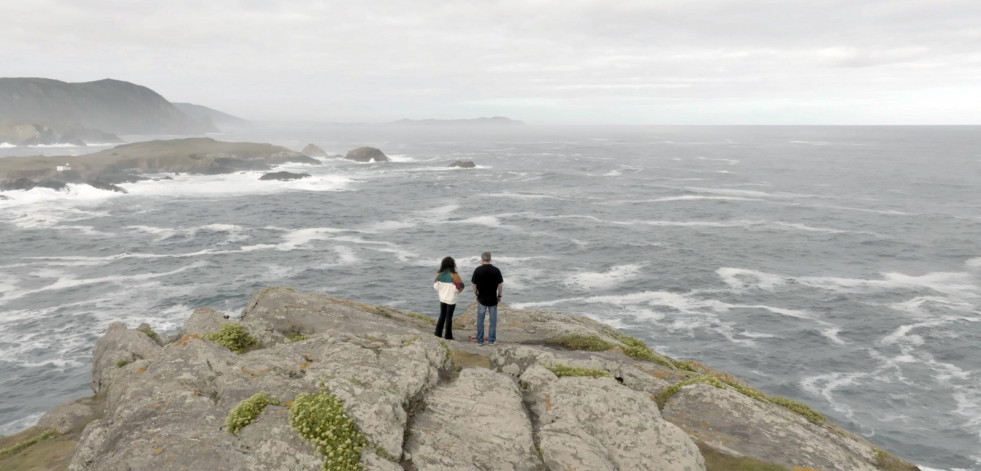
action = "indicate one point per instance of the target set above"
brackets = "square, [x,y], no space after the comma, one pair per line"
[306,381]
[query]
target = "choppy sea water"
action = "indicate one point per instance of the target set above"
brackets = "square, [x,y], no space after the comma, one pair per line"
[838,266]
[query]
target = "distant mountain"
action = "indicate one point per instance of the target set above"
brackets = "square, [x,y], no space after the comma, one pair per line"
[495,121]
[112,106]
[205,114]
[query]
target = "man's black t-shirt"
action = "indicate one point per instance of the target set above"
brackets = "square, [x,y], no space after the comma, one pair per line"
[486,278]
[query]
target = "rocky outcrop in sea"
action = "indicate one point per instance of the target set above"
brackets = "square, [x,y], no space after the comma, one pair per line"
[128,163]
[366,154]
[313,150]
[306,381]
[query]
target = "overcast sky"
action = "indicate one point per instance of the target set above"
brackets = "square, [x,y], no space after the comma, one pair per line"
[540,61]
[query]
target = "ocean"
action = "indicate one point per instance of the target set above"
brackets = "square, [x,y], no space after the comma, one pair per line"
[838,266]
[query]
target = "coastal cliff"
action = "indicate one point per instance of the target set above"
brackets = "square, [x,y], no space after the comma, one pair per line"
[111,106]
[308,381]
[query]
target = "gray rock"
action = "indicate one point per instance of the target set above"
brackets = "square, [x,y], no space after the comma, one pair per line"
[595,423]
[165,407]
[477,422]
[119,346]
[72,416]
[106,186]
[463,164]
[313,151]
[203,320]
[366,154]
[284,176]
[738,425]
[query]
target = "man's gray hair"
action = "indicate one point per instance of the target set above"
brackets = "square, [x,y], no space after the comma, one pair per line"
[485,256]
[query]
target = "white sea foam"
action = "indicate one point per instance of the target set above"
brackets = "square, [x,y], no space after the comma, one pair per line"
[952,283]
[489,221]
[747,193]
[728,161]
[295,239]
[826,385]
[745,224]
[603,280]
[345,255]
[6,145]
[743,279]
[390,226]
[831,333]
[974,263]
[672,199]
[233,184]
[812,143]
[76,194]
[958,284]
[521,196]
[234,232]
[68,281]
[439,213]
[20,424]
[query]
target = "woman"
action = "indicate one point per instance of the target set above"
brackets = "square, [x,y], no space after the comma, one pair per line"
[449,285]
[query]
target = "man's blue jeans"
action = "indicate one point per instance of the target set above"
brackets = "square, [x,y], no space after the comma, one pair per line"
[492,335]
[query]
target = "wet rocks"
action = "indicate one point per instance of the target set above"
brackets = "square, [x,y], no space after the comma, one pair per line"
[284,176]
[367,154]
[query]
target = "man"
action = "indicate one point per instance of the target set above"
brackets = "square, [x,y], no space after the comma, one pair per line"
[488,286]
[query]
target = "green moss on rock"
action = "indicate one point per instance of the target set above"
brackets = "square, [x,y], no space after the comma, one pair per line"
[590,343]
[246,411]
[233,337]
[638,350]
[321,419]
[149,332]
[27,443]
[726,381]
[426,319]
[561,370]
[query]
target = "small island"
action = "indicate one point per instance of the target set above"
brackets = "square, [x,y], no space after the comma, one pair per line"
[128,162]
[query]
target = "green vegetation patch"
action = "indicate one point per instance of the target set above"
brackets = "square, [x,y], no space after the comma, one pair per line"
[149,332]
[233,337]
[298,338]
[48,454]
[638,350]
[722,381]
[589,343]
[447,348]
[122,363]
[27,443]
[561,370]
[246,411]
[321,420]
[427,319]
[887,462]
[715,461]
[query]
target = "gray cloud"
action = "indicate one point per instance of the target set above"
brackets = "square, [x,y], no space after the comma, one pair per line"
[710,61]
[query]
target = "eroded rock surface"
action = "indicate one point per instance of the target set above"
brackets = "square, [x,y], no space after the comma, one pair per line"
[534,404]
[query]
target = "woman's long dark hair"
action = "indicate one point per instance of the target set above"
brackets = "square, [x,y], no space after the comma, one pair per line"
[447,264]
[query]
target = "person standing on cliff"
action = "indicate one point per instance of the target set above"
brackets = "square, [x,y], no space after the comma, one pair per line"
[488,286]
[449,285]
